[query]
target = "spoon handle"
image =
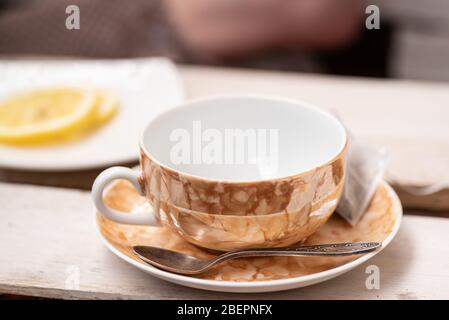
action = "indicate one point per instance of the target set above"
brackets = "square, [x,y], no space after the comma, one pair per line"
[336,249]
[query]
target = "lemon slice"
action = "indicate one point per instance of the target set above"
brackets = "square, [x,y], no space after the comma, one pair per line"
[106,107]
[46,115]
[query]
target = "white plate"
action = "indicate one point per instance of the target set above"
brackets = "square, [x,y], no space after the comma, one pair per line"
[145,88]
[262,286]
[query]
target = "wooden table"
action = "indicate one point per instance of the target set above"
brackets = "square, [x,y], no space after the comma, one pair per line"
[47,233]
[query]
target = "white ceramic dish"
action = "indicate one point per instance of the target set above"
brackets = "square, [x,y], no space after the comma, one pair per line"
[145,87]
[269,285]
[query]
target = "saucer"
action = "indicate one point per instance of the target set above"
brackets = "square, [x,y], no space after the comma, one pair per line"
[145,87]
[380,223]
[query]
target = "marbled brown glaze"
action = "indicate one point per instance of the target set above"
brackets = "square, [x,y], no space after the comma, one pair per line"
[223,215]
[289,194]
[228,232]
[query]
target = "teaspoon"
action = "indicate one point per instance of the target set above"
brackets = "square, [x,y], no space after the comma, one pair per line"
[184,264]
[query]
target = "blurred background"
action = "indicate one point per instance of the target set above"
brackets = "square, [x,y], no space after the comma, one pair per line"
[319,36]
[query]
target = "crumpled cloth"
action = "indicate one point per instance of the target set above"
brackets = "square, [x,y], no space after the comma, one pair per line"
[108,29]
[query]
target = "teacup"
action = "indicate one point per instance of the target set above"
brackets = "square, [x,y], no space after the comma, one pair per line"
[236,172]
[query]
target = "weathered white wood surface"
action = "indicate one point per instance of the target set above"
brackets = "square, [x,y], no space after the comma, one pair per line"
[47,236]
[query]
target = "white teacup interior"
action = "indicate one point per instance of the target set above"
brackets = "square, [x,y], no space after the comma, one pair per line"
[244,138]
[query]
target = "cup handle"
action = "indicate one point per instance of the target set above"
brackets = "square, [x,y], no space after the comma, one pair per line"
[100,183]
